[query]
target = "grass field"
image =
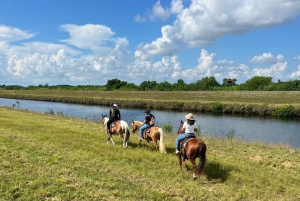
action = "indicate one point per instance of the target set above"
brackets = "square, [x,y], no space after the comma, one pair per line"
[240,102]
[46,157]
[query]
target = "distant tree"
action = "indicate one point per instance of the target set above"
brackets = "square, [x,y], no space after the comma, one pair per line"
[225,82]
[258,83]
[180,85]
[164,86]
[229,82]
[147,85]
[115,84]
[207,83]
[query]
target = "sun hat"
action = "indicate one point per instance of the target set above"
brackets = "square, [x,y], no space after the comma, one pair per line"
[147,111]
[189,116]
[115,105]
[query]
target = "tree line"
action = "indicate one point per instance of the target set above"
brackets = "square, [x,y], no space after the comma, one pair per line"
[256,83]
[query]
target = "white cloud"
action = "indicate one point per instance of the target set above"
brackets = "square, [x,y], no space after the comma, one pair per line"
[205,61]
[92,36]
[139,18]
[11,34]
[296,74]
[297,58]
[267,58]
[203,22]
[274,71]
[159,12]
[176,6]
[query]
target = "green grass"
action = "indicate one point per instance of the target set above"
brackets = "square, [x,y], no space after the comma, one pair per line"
[47,157]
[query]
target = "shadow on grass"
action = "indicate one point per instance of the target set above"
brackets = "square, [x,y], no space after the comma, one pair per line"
[216,171]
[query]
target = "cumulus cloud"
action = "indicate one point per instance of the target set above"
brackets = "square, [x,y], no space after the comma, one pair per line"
[274,71]
[201,23]
[41,62]
[296,74]
[159,12]
[267,58]
[98,38]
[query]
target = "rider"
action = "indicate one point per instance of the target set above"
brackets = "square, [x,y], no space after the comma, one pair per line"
[114,114]
[188,129]
[149,121]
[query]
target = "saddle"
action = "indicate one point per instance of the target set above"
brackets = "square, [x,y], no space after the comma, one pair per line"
[182,145]
[112,125]
[146,131]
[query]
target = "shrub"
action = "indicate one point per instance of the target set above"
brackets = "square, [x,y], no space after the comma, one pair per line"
[167,127]
[216,108]
[285,111]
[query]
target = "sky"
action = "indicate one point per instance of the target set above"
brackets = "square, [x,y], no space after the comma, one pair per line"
[82,42]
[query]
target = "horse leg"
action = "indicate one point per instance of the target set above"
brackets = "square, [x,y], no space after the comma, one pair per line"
[108,139]
[180,161]
[148,143]
[139,143]
[155,144]
[194,164]
[111,139]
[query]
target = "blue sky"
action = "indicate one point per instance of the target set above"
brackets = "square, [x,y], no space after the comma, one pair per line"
[89,42]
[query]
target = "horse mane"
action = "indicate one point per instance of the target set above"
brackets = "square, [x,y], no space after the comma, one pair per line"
[105,120]
[138,122]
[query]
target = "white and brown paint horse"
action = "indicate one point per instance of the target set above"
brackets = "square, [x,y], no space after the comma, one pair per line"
[154,135]
[118,127]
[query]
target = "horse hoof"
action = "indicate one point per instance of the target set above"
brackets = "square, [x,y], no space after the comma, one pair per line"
[194,176]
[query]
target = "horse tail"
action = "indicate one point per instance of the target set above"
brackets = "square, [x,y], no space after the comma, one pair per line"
[125,127]
[162,146]
[202,157]
[127,133]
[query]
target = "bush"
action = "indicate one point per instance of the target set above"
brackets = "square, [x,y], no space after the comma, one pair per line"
[167,127]
[216,108]
[285,111]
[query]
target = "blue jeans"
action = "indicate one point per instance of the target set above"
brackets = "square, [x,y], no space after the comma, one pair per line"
[181,137]
[142,128]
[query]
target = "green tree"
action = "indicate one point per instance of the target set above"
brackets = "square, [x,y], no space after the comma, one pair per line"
[115,84]
[258,83]
[147,85]
[207,83]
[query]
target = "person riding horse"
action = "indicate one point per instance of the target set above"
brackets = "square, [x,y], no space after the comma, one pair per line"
[149,121]
[189,128]
[114,114]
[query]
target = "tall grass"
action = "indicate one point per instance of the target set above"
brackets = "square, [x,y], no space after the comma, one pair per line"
[54,157]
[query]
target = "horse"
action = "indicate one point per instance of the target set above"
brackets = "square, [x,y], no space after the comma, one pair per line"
[155,133]
[190,149]
[118,127]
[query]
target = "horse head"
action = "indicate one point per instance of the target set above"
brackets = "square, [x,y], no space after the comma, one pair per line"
[180,128]
[103,117]
[134,126]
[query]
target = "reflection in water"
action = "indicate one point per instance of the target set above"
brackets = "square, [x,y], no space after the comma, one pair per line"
[266,130]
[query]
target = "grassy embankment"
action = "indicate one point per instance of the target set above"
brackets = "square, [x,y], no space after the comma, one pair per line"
[46,157]
[240,102]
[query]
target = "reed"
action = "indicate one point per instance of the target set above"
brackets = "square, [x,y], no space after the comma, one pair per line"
[55,157]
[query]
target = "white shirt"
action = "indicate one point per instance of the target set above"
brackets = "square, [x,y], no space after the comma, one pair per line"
[189,128]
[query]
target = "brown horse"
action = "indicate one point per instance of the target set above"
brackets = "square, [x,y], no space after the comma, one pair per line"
[118,127]
[154,134]
[190,149]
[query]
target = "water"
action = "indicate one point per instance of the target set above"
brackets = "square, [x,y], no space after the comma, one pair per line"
[265,130]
